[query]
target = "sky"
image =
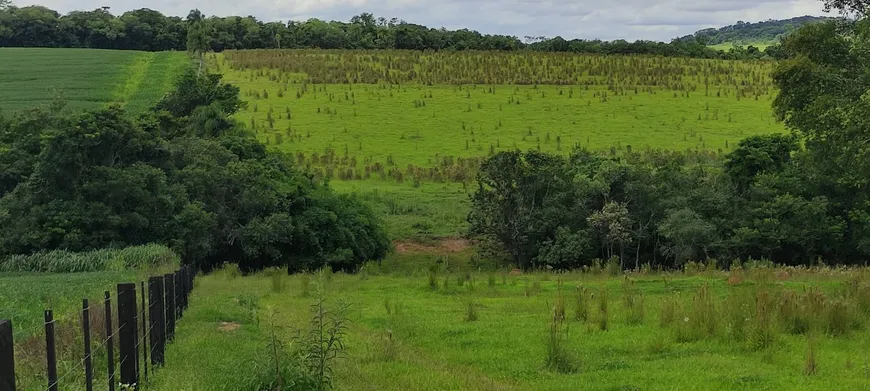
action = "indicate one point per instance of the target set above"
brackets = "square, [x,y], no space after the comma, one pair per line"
[588,19]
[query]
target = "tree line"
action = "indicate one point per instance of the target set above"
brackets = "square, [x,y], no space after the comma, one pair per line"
[183,174]
[764,31]
[793,199]
[149,30]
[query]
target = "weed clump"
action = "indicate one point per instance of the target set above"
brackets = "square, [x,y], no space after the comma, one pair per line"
[471,312]
[602,310]
[559,358]
[582,304]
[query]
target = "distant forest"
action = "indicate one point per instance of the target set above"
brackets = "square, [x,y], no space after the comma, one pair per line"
[747,33]
[149,30]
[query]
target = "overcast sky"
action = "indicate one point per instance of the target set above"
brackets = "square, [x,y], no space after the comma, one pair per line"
[626,19]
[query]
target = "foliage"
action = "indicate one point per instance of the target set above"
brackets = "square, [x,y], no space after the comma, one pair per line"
[521,199]
[184,175]
[146,29]
[62,261]
[764,31]
[791,200]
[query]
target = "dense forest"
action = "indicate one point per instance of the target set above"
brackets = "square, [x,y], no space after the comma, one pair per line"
[184,175]
[747,32]
[145,29]
[791,199]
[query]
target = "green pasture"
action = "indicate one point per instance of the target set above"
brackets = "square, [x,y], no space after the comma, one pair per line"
[726,46]
[85,78]
[428,210]
[404,333]
[420,125]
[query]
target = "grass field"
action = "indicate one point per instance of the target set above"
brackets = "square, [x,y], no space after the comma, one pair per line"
[698,330]
[728,45]
[85,78]
[404,125]
[665,104]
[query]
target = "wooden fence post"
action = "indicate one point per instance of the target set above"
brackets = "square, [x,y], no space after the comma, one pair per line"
[86,332]
[187,287]
[183,272]
[7,357]
[179,292]
[127,334]
[50,353]
[157,324]
[169,281]
[110,344]
[144,331]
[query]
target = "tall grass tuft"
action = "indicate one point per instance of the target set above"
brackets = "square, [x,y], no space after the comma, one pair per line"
[634,305]
[762,334]
[602,310]
[668,311]
[304,285]
[810,364]
[433,279]
[145,257]
[559,358]
[278,280]
[582,304]
[471,311]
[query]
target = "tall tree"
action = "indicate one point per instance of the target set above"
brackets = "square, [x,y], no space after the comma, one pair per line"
[197,37]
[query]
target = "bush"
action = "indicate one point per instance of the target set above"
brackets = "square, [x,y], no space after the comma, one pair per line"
[61,261]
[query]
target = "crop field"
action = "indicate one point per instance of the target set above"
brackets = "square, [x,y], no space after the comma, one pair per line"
[406,115]
[85,78]
[452,327]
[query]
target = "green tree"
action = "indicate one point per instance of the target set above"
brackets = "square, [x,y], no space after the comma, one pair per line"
[758,154]
[522,198]
[687,234]
[197,37]
[613,224]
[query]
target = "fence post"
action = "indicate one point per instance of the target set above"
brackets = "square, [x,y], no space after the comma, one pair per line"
[183,288]
[50,354]
[86,332]
[155,316]
[127,334]
[110,345]
[144,330]
[7,357]
[188,285]
[179,292]
[169,281]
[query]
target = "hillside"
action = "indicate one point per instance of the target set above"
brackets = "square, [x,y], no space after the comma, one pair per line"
[85,78]
[767,31]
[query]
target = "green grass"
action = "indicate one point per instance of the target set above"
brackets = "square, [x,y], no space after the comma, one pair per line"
[381,123]
[23,299]
[726,46]
[26,294]
[416,213]
[406,153]
[429,345]
[85,78]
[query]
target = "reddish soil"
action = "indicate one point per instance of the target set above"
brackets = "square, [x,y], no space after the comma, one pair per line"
[440,246]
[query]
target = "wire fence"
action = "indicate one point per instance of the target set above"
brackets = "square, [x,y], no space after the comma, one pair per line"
[81,351]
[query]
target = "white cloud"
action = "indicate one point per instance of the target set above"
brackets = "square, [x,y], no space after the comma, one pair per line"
[626,19]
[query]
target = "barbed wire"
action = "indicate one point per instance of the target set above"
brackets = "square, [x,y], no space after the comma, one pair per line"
[142,340]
